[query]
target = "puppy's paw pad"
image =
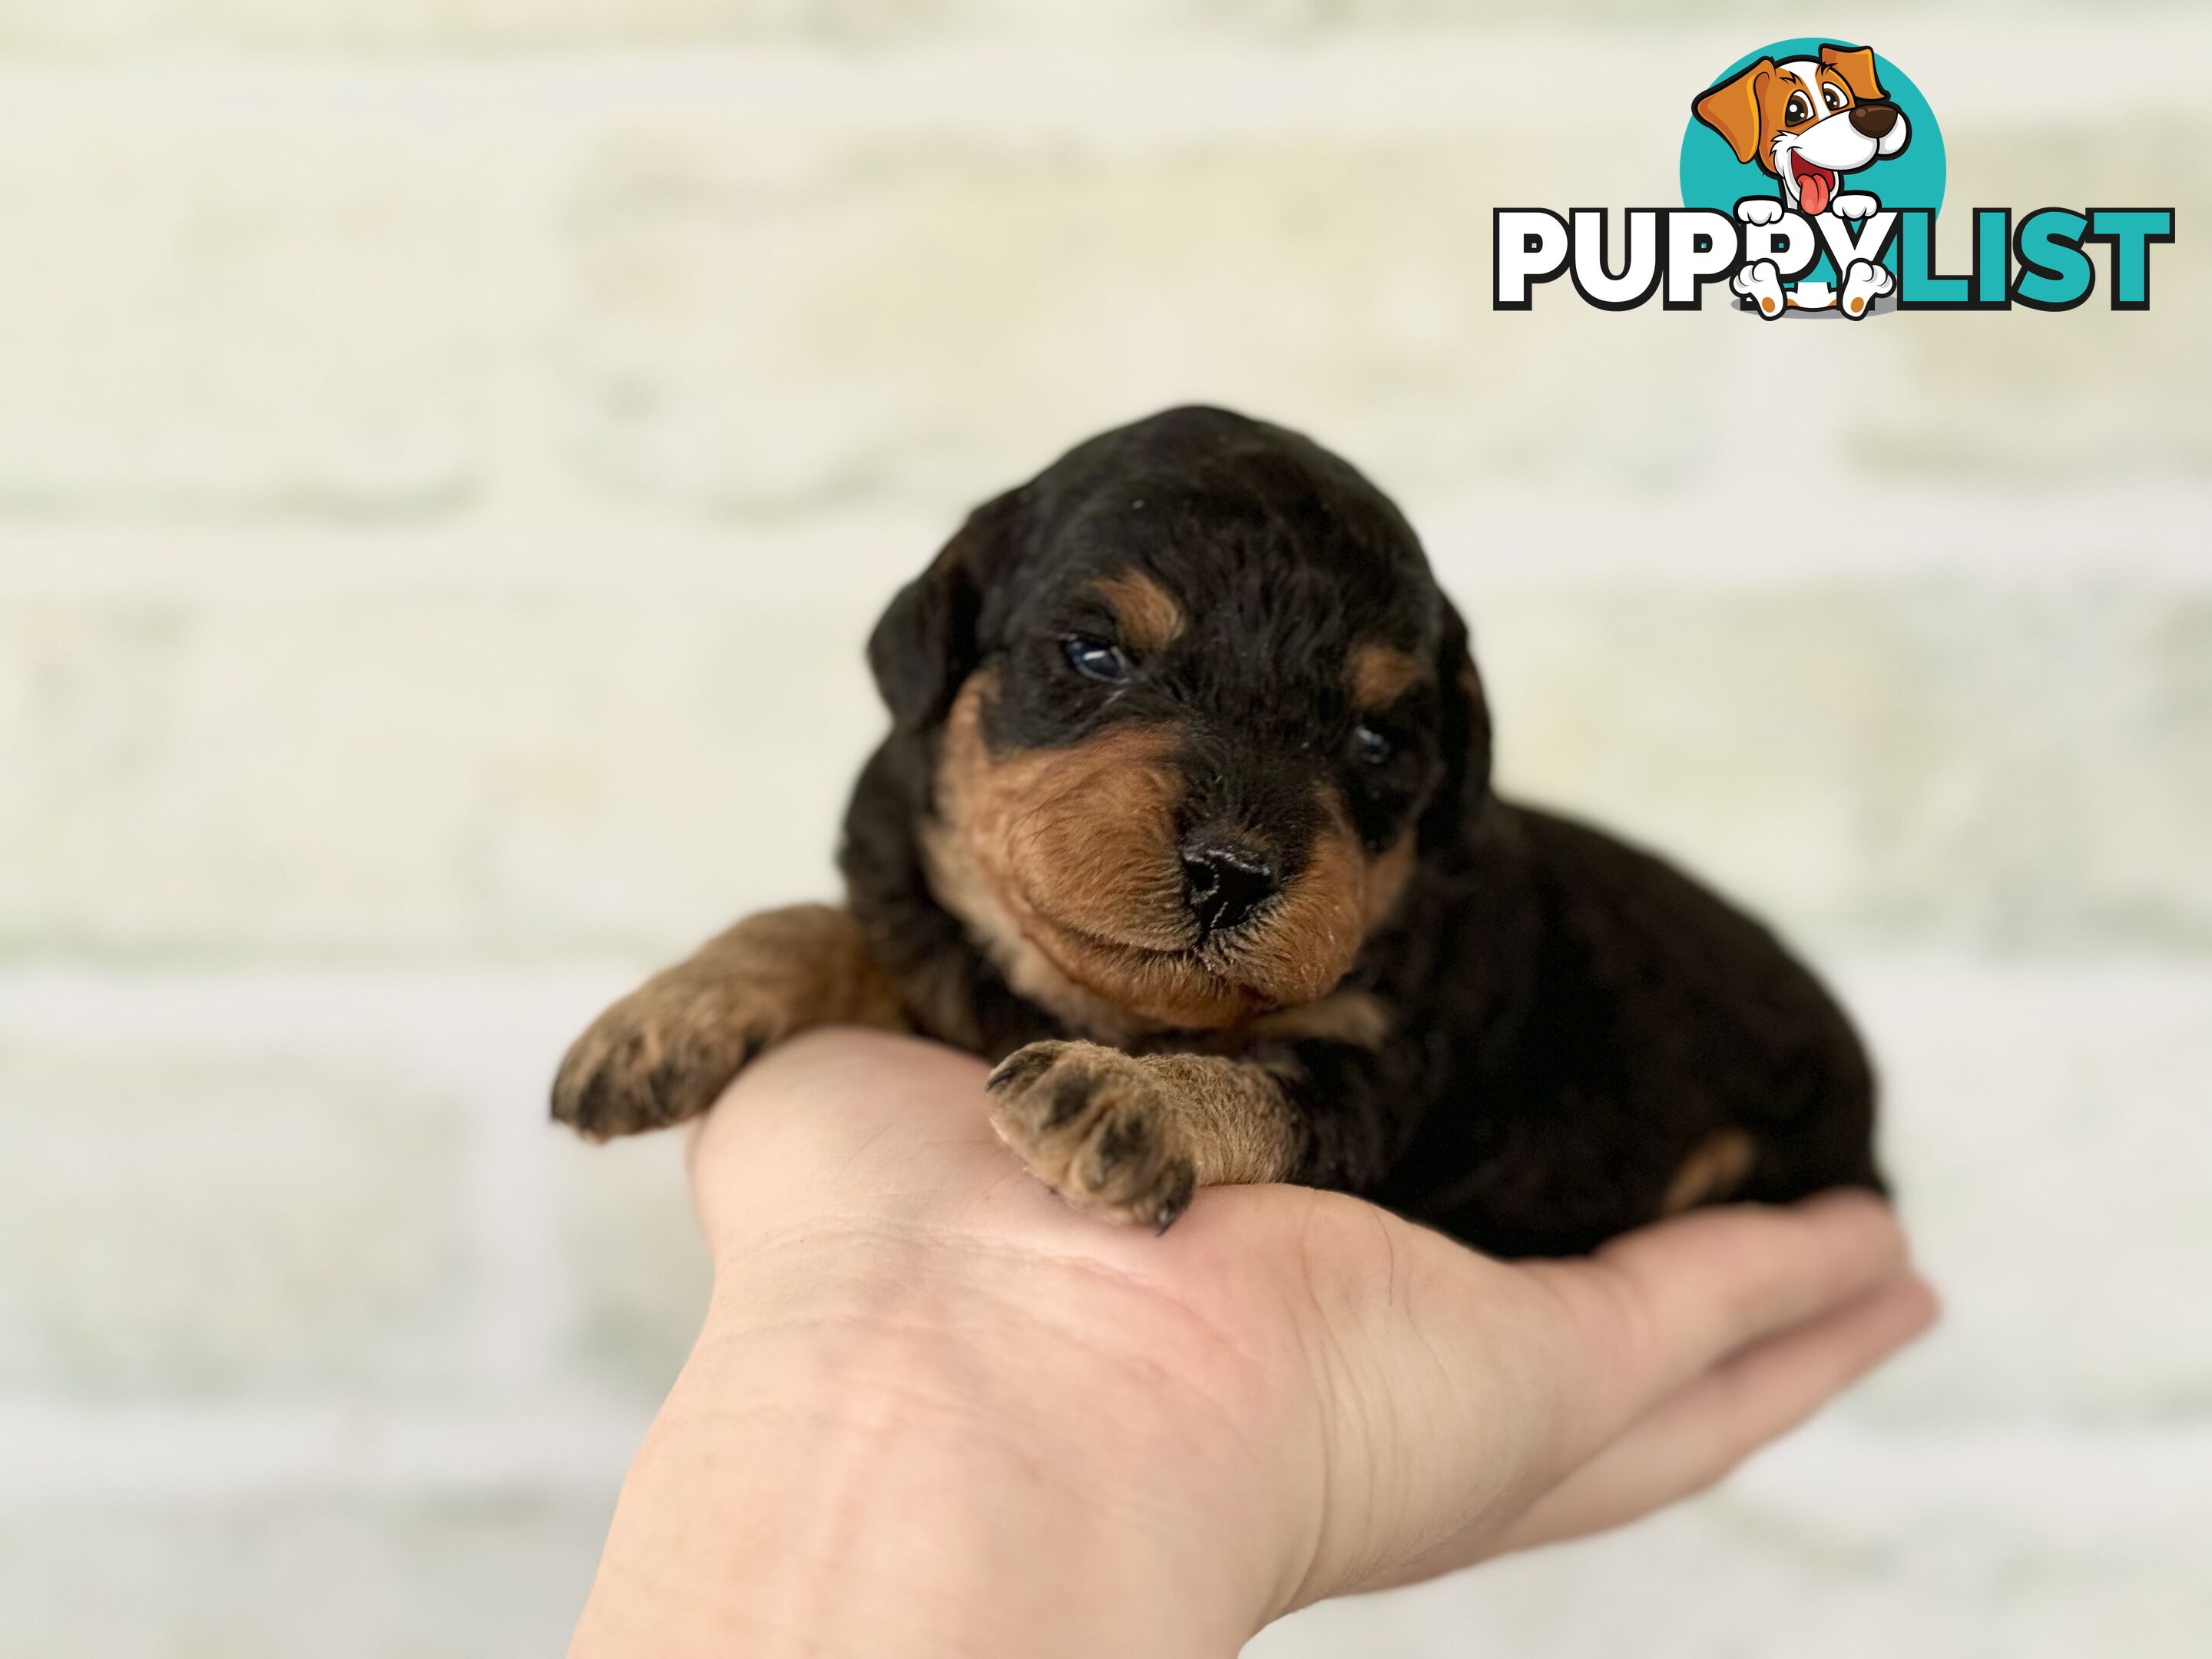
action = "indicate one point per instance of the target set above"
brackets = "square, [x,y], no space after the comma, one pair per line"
[1097,1126]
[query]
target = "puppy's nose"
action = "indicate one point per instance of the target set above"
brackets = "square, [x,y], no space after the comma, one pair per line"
[1874,120]
[1224,882]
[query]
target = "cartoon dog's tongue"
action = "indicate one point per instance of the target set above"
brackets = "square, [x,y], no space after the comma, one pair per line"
[1813,187]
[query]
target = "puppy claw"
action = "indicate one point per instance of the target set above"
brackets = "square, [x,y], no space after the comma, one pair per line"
[1099,1127]
[1177,1201]
[1023,1066]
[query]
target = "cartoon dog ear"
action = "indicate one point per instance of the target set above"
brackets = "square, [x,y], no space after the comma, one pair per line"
[1463,735]
[1856,65]
[925,647]
[1731,109]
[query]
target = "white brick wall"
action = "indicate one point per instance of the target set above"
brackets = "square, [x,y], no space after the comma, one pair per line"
[450,453]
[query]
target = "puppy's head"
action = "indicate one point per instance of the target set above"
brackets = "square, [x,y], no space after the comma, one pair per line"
[1807,121]
[1195,705]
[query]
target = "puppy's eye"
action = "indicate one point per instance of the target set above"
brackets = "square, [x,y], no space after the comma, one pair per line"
[1372,746]
[1800,108]
[1096,659]
[1834,93]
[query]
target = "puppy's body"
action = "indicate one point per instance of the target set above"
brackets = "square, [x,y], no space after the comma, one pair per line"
[1185,819]
[1637,1046]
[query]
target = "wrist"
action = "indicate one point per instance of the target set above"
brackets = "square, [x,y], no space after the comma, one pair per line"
[936,1446]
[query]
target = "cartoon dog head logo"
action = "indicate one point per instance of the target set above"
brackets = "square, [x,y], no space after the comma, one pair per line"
[1808,122]
[1808,116]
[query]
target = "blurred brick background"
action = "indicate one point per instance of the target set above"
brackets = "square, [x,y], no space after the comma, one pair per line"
[450,451]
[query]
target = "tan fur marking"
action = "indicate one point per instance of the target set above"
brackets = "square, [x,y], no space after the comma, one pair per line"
[666,1051]
[1063,864]
[1715,1170]
[957,880]
[1381,674]
[1386,876]
[1130,1137]
[1233,1115]
[1150,619]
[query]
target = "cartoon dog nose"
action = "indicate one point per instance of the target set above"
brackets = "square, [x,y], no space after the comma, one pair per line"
[1224,883]
[1874,120]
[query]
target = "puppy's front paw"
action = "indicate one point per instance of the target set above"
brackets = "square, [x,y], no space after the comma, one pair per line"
[1759,209]
[1099,1126]
[656,1057]
[1854,204]
[665,1051]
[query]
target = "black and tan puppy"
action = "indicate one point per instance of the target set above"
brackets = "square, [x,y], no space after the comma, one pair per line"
[1185,819]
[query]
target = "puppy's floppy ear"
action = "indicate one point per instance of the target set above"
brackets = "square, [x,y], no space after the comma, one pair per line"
[1731,109]
[1856,65]
[925,647]
[1463,735]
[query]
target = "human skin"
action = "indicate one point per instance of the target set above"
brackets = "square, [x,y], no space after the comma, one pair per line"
[933,1410]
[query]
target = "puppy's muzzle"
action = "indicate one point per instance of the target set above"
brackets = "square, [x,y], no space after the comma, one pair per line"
[1224,881]
[1875,120]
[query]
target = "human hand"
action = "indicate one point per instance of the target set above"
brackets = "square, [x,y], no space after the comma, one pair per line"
[935,1411]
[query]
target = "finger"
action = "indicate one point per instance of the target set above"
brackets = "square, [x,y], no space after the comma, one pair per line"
[1491,1382]
[1685,1444]
[1688,1441]
[1656,1308]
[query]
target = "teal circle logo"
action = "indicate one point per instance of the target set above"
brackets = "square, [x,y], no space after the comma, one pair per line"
[1765,132]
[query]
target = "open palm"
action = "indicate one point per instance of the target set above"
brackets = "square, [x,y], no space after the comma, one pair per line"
[1365,1402]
